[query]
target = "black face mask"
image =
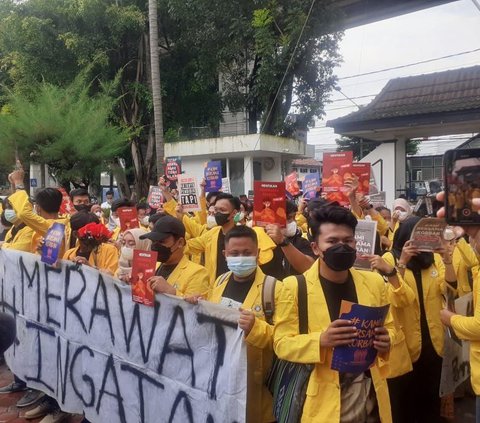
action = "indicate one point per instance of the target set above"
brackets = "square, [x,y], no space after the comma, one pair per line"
[422,261]
[222,218]
[340,257]
[163,253]
[83,207]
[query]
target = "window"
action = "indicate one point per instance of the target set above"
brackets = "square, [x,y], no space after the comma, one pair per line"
[416,162]
[427,173]
[303,170]
[438,172]
[427,162]
[294,169]
[439,161]
[313,170]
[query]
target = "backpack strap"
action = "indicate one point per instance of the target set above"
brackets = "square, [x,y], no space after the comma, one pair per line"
[268,298]
[223,278]
[302,305]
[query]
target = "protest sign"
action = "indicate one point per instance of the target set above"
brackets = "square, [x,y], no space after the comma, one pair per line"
[291,184]
[128,218]
[365,236]
[226,186]
[427,235]
[310,185]
[188,193]
[379,199]
[67,205]
[213,176]
[155,197]
[362,172]
[337,169]
[143,268]
[173,168]
[360,354]
[83,342]
[251,195]
[52,243]
[456,357]
[269,204]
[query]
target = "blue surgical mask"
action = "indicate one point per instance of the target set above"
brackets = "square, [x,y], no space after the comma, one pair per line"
[242,266]
[10,215]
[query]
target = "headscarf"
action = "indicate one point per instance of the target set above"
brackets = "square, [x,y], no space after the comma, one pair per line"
[424,260]
[401,202]
[124,265]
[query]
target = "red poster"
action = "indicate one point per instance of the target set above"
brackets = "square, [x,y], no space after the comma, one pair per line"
[143,268]
[291,182]
[336,169]
[269,204]
[362,171]
[128,218]
[67,206]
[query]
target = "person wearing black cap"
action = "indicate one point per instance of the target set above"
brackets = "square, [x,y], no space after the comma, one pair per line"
[177,275]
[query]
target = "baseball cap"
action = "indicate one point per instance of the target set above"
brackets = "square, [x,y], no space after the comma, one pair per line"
[165,227]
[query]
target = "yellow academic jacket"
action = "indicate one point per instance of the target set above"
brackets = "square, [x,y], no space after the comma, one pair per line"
[24,210]
[407,309]
[464,260]
[189,278]
[208,244]
[259,350]
[322,404]
[200,217]
[22,241]
[468,328]
[104,258]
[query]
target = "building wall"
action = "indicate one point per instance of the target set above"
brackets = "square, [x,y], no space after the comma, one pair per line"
[303,171]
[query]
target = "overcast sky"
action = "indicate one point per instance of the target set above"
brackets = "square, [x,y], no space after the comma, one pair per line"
[427,34]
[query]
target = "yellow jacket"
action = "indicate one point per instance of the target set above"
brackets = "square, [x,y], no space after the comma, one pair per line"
[189,278]
[402,302]
[408,313]
[200,217]
[259,351]
[22,241]
[468,328]
[322,403]
[24,210]
[105,258]
[464,260]
[208,244]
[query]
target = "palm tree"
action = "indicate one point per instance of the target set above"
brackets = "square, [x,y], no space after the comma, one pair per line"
[156,84]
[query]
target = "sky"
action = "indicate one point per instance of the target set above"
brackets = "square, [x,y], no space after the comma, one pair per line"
[430,33]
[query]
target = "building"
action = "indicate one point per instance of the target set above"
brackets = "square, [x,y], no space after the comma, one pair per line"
[245,158]
[305,166]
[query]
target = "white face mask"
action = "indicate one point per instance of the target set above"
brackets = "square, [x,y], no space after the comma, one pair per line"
[127,253]
[98,214]
[145,220]
[402,216]
[249,223]
[291,229]
[10,215]
[211,222]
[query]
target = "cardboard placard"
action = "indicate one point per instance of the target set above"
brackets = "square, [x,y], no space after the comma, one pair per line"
[291,184]
[53,243]
[155,197]
[337,169]
[226,186]
[365,236]
[213,176]
[362,172]
[188,193]
[427,235]
[311,185]
[143,268]
[269,204]
[128,218]
[67,205]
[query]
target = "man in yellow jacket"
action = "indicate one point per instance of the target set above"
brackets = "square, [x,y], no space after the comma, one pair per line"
[241,288]
[329,281]
[176,275]
[19,236]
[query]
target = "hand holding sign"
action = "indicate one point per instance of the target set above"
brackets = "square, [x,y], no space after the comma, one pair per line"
[382,340]
[340,332]
[246,321]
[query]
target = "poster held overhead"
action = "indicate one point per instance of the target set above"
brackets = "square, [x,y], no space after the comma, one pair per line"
[173,168]
[213,176]
[67,205]
[269,204]
[155,197]
[226,186]
[336,169]
[311,185]
[362,172]
[291,183]
[128,218]
[188,193]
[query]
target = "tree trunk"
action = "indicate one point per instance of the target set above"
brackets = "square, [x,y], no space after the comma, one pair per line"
[156,84]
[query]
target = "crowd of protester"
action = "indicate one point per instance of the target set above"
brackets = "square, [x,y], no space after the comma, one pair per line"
[217,255]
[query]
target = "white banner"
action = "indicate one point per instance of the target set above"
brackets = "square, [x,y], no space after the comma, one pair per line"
[82,341]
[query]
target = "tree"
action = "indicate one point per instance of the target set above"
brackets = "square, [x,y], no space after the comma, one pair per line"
[361,147]
[64,128]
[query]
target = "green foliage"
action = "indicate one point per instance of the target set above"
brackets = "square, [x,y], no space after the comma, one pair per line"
[65,128]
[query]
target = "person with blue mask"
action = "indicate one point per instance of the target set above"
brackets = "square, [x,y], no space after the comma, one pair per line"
[241,288]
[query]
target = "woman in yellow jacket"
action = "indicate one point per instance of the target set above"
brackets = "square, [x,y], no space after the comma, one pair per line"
[426,275]
[464,261]
[330,280]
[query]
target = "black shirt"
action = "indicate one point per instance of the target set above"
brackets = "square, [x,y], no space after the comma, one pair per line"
[238,291]
[336,292]
[221,261]
[165,270]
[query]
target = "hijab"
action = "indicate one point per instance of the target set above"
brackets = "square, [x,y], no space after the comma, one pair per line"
[424,260]
[125,265]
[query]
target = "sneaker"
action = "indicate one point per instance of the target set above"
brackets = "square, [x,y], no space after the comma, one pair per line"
[30,398]
[42,409]
[56,416]
[13,387]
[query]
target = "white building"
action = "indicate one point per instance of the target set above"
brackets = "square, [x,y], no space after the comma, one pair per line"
[303,167]
[244,158]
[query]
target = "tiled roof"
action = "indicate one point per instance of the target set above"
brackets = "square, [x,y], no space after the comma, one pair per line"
[306,162]
[453,90]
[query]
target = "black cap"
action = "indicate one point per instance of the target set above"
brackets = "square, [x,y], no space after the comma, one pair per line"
[165,227]
[316,203]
